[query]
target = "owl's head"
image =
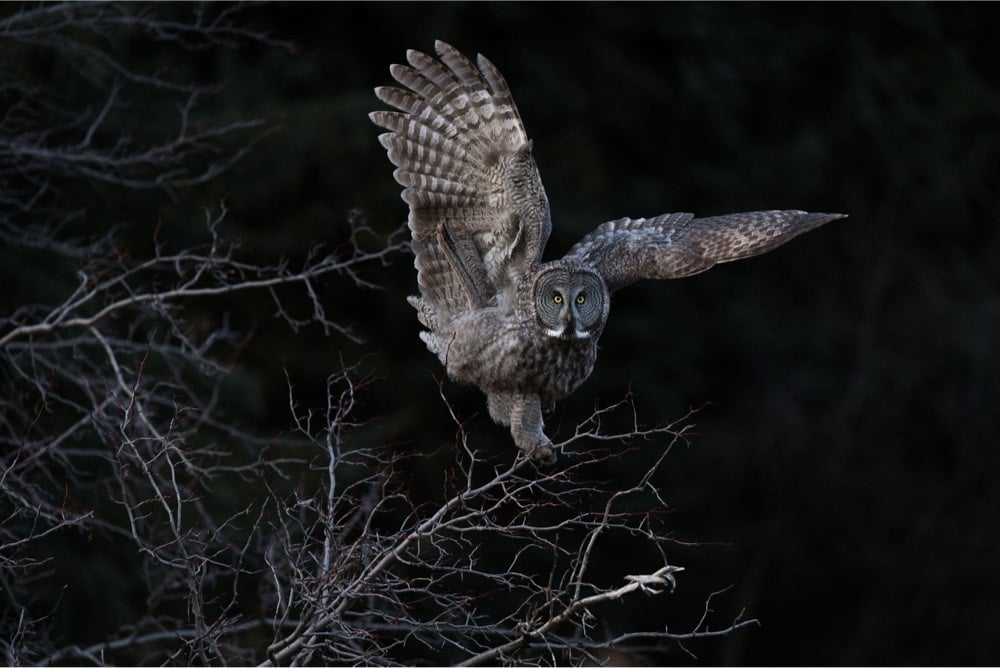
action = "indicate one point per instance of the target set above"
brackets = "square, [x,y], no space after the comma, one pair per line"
[570,301]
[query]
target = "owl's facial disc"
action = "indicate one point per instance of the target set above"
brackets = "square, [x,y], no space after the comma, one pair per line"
[571,305]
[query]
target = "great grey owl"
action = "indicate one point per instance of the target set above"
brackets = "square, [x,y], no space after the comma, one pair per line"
[522,330]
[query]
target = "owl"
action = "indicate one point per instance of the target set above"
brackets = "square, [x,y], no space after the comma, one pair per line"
[523,331]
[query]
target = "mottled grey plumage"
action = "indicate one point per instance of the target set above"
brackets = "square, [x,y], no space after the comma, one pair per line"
[525,332]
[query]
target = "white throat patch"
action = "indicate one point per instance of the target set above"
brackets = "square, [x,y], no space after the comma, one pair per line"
[557,333]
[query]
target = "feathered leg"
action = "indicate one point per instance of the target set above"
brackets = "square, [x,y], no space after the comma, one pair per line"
[523,414]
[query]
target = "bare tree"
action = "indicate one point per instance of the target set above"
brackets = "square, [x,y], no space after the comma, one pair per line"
[117,428]
[45,136]
[113,419]
[498,569]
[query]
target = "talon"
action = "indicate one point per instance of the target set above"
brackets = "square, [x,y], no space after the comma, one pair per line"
[544,454]
[540,453]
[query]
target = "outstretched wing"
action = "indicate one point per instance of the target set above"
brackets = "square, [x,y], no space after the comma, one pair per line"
[461,152]
[678,244]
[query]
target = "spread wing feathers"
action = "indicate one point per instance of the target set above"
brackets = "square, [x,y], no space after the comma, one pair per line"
[465,162]
[678,244]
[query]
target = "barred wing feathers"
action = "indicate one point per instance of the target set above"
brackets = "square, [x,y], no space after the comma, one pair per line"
[675,245]
[464,160]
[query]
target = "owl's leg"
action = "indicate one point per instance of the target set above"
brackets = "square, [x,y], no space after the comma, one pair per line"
[500,404]
[523,414]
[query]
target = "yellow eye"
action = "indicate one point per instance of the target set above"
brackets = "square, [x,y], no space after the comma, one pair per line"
[580,298]
[557,298]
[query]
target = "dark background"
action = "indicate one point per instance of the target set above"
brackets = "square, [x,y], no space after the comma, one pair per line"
[842,480]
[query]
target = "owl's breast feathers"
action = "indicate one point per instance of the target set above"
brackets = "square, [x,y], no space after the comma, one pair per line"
[486,349]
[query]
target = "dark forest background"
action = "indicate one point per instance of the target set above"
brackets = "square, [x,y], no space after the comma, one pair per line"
[842,482]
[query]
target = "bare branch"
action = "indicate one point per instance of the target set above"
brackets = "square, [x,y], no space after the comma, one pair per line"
[372,581]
